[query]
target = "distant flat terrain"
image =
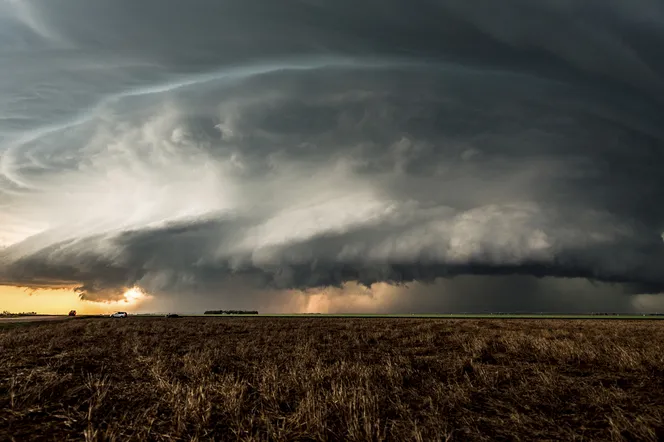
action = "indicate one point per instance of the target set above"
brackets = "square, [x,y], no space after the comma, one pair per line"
[324,378]
[33,318]
[435,316]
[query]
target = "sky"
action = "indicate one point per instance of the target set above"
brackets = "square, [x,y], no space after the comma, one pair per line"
[393,156]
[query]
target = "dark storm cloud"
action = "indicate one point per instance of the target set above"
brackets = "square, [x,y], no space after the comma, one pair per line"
[600,38]
[303,144]
[471,293]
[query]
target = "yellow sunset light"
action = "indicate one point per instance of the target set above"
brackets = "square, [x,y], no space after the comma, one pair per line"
[134,295]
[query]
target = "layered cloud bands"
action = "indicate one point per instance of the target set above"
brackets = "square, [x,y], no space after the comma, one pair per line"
[264,147]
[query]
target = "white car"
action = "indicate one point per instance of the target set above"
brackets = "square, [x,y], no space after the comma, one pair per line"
[119,315]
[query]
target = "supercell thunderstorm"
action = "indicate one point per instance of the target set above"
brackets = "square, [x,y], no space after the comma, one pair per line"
[245,148]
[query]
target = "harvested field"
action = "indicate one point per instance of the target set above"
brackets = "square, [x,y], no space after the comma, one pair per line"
[32,319]
[332,379]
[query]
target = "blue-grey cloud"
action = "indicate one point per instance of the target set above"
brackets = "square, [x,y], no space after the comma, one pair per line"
[307,144]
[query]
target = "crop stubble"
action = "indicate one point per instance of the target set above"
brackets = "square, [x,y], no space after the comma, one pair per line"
[332,379]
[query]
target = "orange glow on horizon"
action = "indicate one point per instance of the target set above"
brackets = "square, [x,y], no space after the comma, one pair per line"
[61,301]
[132,297]
[350,298]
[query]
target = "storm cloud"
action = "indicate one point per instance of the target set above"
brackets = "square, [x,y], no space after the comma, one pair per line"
[251,148]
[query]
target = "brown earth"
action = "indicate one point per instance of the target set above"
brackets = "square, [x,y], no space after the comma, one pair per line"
[332,379]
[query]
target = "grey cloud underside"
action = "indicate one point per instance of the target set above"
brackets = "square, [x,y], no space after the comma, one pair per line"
[181,258]
[305,144]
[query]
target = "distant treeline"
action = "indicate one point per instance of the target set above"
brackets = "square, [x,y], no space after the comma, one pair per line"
[6,314]
[231,312]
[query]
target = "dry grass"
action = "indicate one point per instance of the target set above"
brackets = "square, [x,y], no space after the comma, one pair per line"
[332,379]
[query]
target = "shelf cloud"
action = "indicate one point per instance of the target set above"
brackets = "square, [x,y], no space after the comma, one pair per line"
[243,151]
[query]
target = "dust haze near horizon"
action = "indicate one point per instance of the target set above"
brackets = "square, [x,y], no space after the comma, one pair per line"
[393,156]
